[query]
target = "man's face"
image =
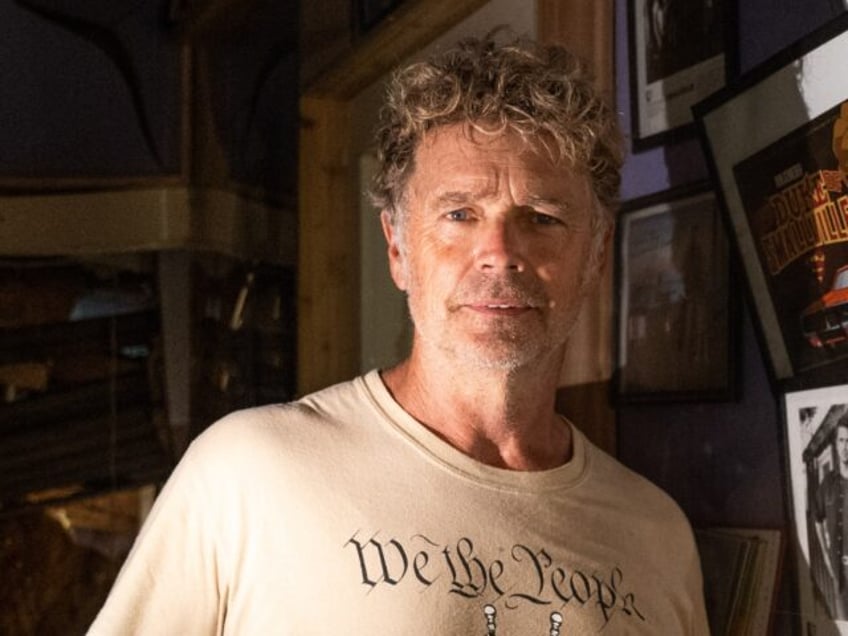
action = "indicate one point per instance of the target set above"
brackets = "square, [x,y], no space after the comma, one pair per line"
[842,443]
[496,249]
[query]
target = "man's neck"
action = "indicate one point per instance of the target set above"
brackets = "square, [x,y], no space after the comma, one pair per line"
[501,418]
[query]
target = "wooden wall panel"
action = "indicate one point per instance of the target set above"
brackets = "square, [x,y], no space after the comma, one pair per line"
[328,250]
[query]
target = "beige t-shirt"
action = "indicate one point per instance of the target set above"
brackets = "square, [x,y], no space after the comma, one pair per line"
[340,514]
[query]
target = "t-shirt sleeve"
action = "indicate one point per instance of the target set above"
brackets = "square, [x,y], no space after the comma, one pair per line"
[169,583]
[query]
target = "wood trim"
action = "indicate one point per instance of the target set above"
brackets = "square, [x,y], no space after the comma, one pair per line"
[409,28]
[328,250]
[144,219]
[94,222]
[586,28]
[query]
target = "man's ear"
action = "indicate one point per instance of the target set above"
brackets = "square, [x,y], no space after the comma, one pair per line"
[397,264]
[601,255]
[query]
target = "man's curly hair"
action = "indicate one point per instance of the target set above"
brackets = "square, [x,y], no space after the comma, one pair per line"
[543,93]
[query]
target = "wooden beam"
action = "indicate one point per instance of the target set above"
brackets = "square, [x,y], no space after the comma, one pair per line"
[585,28]
[409,28]
[328,251]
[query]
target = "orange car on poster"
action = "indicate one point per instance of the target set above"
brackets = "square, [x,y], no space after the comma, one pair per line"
[825,321]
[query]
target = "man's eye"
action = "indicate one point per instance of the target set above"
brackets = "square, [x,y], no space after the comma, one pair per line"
[458,215]
[540,218]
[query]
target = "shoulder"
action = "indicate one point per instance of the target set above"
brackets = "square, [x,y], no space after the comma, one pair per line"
[270,432]
[323,408]
[645,529]
[649,510]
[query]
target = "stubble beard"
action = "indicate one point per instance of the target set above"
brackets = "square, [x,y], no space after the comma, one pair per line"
[508,345]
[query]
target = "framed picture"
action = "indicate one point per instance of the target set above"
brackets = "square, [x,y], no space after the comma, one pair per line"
[817,445]
[784,185]
[675,320]
[678,55]
[742,572]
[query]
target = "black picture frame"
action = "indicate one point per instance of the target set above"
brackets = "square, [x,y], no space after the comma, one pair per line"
[810,419]
[676,313]
[679,54]
[784,188]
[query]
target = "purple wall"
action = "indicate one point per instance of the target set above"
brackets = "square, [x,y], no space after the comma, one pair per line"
[722,462]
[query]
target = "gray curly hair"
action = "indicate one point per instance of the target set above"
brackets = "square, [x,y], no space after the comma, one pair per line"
[539,92]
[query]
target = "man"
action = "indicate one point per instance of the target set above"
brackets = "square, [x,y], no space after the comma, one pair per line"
[830,509]
[444,495]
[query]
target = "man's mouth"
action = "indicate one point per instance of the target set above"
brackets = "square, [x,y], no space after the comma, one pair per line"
[500,308]
[502,298]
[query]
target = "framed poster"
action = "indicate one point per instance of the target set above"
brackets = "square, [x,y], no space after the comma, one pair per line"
[675,321]
[678,56]
[817,444]
[784,184]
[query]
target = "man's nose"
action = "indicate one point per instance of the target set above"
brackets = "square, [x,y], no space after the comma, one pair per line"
[499,247]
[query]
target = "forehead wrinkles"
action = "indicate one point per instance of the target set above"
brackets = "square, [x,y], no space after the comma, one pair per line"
[478,178]
[455,167]
[568,195]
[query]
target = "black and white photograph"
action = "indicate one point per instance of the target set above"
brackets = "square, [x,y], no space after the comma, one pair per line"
[678,57]
[817,444]
[675,316]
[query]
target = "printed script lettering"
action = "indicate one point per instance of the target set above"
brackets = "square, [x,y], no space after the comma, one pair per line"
[528,575]
[809,213]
